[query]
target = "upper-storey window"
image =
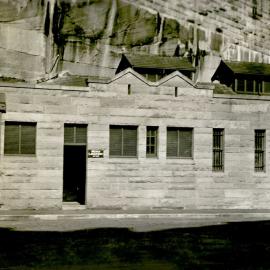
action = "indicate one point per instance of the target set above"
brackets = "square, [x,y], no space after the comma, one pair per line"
[20,138]
[257,8]
[250,86]
[244,77]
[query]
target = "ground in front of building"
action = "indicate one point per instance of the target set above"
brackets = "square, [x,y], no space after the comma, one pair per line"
[232,246]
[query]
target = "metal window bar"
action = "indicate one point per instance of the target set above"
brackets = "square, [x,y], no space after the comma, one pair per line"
[259,150]
[218,150]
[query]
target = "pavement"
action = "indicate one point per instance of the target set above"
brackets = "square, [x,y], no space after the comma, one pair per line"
[81,219]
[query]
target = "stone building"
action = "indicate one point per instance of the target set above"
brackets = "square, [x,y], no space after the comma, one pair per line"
[138,136]
[131,143]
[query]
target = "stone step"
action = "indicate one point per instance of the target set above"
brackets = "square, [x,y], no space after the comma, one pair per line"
[73,206]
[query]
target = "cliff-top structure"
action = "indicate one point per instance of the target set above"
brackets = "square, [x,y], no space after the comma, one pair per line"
[40,39]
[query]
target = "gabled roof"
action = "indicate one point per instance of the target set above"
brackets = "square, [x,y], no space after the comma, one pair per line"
[163,81]
[243,68]
[175,74]
[249,68]
[134,73]
[155,62]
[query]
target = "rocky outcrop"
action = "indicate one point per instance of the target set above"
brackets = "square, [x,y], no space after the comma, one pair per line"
[39,39]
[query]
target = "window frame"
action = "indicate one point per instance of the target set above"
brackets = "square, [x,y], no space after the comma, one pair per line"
[75,133]
[122,127]
[257,86]
[178,129]
[220,148]
[155,144]
[20,124]
[260,134]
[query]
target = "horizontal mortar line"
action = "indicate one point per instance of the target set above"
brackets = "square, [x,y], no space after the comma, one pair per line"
[135,216]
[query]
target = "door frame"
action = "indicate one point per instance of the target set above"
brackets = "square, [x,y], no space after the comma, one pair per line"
[86,160]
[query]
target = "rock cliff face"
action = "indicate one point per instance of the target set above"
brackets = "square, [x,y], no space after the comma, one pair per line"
[41,38]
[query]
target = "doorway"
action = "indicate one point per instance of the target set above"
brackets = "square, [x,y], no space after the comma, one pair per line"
[74,168]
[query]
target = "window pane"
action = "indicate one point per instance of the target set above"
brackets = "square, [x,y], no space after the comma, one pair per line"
[152,77]
[11,145]
[172,142]
[179,142]
[28,139]
[240,85]
[233,85]
[115,141]
[75,133]
[266,87]
[249,86]
[151,141]
[69,136]
[130,141]
[185,145]
[81,134]
[20,138]
[258,86]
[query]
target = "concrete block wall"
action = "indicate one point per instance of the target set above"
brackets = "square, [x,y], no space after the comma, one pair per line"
[137,183]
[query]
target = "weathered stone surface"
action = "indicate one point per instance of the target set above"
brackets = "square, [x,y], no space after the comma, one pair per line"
[87,37]
[133,26]
[129,183]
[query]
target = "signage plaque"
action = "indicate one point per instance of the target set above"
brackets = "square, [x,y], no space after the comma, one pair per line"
[95,153]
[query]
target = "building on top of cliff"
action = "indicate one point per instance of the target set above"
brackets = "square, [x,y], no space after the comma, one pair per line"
[155,67]
[244,77]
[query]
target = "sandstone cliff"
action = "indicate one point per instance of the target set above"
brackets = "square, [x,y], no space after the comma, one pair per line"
[41,38]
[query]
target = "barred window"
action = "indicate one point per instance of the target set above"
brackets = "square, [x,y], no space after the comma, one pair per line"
[259,150]
[218,149]
[75,134]
[20,138]
[151,141]
[179,142]
[123,141]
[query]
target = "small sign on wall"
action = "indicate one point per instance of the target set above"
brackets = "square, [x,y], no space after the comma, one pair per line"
[95,153]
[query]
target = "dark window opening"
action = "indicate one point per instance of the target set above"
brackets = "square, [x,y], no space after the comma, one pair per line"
[151,141]
[123,141]
[176,91]
[258,86]
[20,138]
[249,86]
[179,142]
[240,85]
[266,87]
[129,89]
[75,134]
[259,150]
[218,149]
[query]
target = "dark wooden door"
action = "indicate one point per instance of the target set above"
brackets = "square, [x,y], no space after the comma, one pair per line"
[74,173]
